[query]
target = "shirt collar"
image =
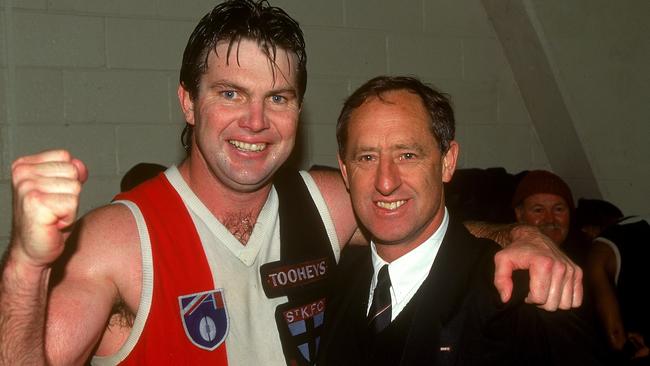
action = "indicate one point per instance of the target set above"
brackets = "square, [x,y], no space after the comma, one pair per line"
[409,271]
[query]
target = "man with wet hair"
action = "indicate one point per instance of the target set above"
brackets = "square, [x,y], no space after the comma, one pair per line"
[221,259]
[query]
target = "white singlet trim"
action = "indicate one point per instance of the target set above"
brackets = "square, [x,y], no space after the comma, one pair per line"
[146,294]
[323,211]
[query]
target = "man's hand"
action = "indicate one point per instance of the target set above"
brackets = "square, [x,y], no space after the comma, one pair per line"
[46,189]
[555,281]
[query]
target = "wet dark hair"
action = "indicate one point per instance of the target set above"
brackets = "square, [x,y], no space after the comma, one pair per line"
[233,21]
[437,104]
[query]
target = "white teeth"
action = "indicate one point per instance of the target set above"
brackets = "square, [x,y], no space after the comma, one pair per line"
[244,146]
[390,205]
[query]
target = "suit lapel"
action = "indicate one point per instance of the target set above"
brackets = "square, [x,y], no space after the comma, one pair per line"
[440,295]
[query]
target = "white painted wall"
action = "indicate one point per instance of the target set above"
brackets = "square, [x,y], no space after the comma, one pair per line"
[99,78]
[601,52]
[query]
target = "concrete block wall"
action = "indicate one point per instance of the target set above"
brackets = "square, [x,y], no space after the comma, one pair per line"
[99,78]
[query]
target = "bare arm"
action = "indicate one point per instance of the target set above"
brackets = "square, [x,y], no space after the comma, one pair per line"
[45,197]
[555,281]
[499,233]
[601,269]
[55,296]
[331,185]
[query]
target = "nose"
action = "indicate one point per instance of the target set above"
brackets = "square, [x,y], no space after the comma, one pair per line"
[548,217]
[255,118]
[388,177]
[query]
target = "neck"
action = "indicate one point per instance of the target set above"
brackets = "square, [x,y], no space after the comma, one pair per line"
[237,211]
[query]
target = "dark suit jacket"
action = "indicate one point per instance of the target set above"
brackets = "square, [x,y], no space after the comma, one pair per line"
[455,317]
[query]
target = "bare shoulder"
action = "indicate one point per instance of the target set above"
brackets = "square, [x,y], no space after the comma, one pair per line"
[332,187]
[99,270]
[106,245]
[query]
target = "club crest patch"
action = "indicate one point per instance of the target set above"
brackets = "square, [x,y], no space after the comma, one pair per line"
[205,318]
[303,326]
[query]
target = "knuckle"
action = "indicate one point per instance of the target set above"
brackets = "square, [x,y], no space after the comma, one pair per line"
[24,186]
[560,268]
[18,171]
[545,263]
[578,275]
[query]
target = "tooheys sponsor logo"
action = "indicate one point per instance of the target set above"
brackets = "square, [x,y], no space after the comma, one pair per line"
[297,274]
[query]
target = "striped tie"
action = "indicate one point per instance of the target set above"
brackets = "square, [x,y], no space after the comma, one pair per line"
[379,315]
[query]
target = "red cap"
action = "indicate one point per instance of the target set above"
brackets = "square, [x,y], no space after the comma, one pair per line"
[542,181]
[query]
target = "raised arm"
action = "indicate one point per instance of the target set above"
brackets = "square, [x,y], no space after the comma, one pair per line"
[555,281]
[55,298]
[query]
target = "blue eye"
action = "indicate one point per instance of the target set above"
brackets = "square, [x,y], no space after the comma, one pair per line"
[278,99]
[229,94]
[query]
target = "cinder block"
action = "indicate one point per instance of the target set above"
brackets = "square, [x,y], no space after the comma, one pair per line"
[3,97]
[58,40]
[5,207]
[156,143]
[483,59]
[322,140]
[487,146]
[93,143]
[146,44]
[38,96]
[323,101]
[26,4]
[425,56]
[98,191]
[121,7]
[314,12]
[458,18]
[3,41]
[474,102]
[116,96]
[191,10]
[387,15]
[346,52]
[326,160]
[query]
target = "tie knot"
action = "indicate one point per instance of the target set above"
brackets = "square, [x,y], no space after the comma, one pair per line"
[383,278]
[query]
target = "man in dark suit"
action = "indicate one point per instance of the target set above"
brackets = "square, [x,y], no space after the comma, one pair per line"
[422,294]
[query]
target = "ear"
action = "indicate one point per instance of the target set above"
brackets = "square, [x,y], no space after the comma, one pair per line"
[519,213]
[344,171]
[187,104]
[449,161]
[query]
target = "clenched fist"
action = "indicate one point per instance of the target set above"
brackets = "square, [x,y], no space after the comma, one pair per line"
[46,189]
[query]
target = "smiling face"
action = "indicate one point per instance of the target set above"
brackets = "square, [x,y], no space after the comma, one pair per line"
[245,115]
[394,170]
[549,212]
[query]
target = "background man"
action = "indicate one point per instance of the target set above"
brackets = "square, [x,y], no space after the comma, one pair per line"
[195,255]
[544,200]
[424,273]
[617,274]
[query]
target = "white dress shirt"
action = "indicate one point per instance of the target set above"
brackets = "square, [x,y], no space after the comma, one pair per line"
[408,272]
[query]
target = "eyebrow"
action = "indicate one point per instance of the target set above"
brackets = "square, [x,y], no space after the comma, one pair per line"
[230,85]
[291,91]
